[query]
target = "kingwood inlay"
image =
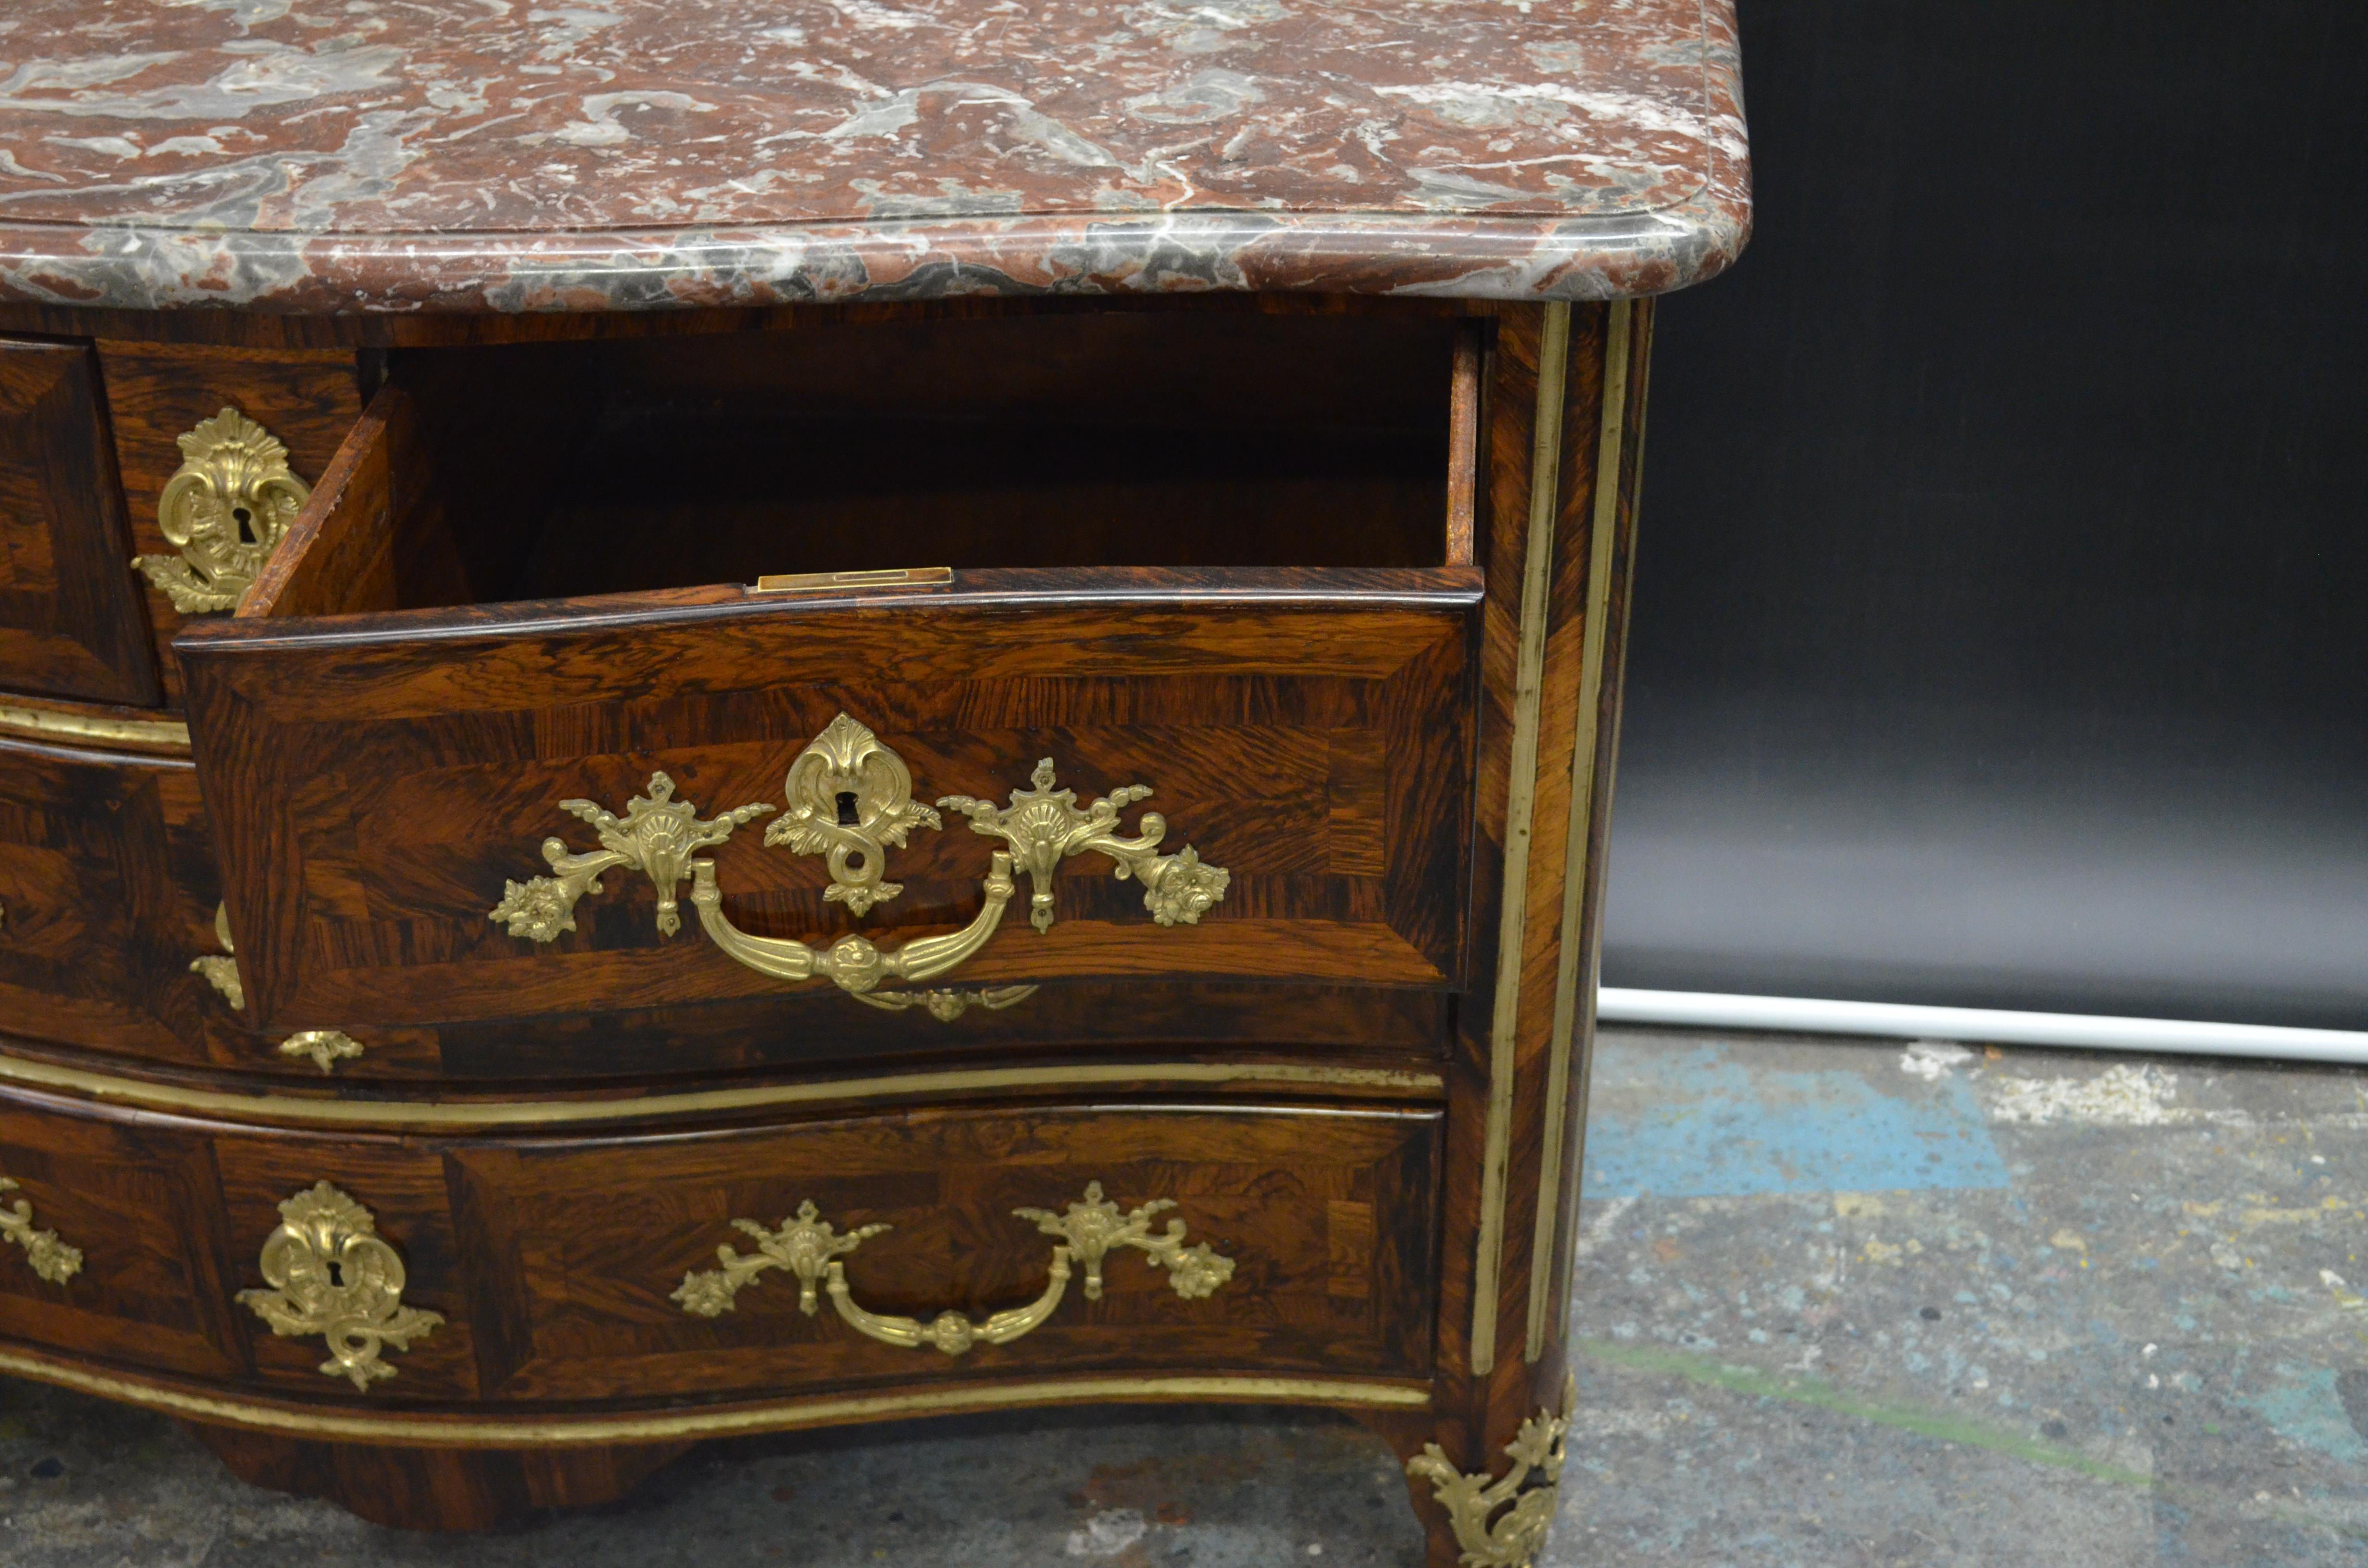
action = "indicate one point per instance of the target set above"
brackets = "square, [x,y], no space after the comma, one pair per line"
[351,1005]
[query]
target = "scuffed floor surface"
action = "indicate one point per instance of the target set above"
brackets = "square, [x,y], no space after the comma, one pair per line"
[1842,1305]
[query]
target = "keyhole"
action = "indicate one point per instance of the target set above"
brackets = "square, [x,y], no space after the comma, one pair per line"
[847,817]
[337,1272]
[246,521]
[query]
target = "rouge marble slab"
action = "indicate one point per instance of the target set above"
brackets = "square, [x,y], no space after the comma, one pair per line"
[502,156]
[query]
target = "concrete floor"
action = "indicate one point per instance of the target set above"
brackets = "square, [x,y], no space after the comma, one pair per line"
[1843,1305]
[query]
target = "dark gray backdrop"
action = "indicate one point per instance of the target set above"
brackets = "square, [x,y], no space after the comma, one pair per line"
[2001,630]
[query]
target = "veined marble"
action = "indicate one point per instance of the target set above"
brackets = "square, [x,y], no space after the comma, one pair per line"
[347,155]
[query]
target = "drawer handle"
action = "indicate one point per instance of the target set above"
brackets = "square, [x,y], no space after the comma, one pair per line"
[854,963]
[849,800]
[809,1247]
[331,1274]
[224,510]
[49,1258]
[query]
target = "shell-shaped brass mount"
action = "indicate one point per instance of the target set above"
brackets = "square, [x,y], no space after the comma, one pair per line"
[224,510]
[333,1275]
[850,798]
[1044,826]
[810,1248]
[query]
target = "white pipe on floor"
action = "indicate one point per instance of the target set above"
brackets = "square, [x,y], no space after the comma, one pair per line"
[1804,1014]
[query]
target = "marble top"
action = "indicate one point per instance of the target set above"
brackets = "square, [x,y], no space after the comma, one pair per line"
[343,155]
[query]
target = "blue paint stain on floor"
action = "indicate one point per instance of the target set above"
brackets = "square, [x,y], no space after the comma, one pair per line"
[1700,1123]
[2302,1406]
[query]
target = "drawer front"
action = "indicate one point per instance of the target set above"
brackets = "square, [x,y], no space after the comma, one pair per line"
[71,619]
[106,900]
[109,1234]
[384,785]
[647,1267]
[1319,1229]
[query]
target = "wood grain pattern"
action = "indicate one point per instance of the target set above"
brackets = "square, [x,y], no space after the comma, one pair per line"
[106,875]
[139,1202]
[386,727]
[71,622]
[553,1260]
[384,778]
[158,391]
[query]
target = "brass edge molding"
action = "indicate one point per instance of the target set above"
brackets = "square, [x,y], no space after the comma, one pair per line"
[1563,1044]
[1520,803]
[51,725]
[224,510]
[429,1431]
[405,1114]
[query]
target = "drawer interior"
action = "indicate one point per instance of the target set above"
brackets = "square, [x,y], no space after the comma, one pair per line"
[1087,440]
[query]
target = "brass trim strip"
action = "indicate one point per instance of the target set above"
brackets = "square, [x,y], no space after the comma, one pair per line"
[50,723]
[1521,801]
[394,1114]
[819,581]
[1606,527]
[531,1431]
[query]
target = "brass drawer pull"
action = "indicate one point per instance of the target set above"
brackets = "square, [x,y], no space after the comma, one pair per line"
[850,800]
[810,1247]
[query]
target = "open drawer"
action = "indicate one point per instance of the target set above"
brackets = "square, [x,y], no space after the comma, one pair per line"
[518,721]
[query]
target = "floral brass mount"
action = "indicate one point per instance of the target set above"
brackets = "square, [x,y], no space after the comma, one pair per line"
[849,800]
[657,836]
[331,1274]
[220,968]
[1503,1523]
[51,1258]
[809,1247]
[325,1047]
[225,509]
[1044,826]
